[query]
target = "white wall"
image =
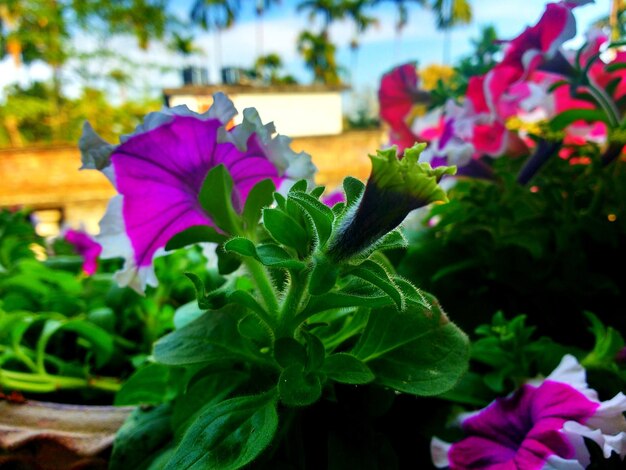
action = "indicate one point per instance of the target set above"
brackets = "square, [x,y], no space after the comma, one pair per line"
[294,114]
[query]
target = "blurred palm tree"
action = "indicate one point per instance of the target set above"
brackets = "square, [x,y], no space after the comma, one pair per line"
[183,45]
[355,10]
[10,13]
[319,56]
[331,11]
[260,8]
[215,15]
[328,10]
[268,68]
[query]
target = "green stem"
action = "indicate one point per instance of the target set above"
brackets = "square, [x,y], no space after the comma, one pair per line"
[50,383]
[263,283]
[291,304]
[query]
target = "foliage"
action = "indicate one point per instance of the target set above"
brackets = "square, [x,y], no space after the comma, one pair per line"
[500,246]
[25,117]
[61,330]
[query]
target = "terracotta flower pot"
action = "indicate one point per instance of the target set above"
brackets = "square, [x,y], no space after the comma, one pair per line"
[50,436]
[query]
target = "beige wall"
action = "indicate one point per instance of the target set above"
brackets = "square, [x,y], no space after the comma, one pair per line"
[48,178]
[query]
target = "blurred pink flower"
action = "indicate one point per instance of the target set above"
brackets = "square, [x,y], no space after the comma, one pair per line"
[398,93]
[85,246]
[540,43]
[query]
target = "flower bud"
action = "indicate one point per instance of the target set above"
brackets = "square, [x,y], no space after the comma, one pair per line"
[394,189]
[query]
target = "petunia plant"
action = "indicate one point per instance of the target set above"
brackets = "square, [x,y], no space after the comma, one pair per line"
[308,301]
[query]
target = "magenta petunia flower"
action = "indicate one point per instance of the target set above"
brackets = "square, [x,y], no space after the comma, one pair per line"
[541,42]
[86,247]
[540,426]
[398,93]
[159,171]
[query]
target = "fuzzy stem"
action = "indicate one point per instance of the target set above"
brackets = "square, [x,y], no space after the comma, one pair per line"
[264,285]
[291,304]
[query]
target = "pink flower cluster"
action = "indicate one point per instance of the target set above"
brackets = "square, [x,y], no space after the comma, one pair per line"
[527,86]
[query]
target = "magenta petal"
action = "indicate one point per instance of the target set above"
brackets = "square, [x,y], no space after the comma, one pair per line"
[479,452]
[160,174]
[334,198]
[86,247]
[522,430]
[396,96]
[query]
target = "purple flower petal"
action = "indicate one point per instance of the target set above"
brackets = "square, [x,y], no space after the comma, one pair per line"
[160,174]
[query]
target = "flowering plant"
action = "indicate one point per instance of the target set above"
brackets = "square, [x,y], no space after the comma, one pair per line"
[308,300]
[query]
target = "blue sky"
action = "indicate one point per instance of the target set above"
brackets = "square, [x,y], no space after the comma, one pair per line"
[381,48]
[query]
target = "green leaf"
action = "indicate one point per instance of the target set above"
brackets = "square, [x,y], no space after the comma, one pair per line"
[416,351]
[281,202]
[319,214]
[614,67]
[564,119]
[187,313]
[317,191]
[608,342]
[353,189]
[207,387]
[150,385]
[347,369]
[99,340]
[194,234]
[392,241]
[268,254]
[213,300]
[315,351]
[297,387]
[252,328]
[241,246]
[335,300]
[375,274]
[285,230]
[338,208]
[211,338]
[260,196]
[229,435]
[216,199]
[288,352]
[227,263]
[323,276]
[557,84]
[143,434]
[341,326]
[274,256]
[299,186]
